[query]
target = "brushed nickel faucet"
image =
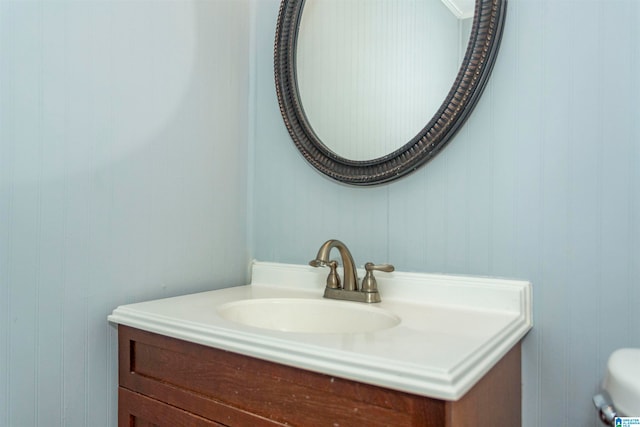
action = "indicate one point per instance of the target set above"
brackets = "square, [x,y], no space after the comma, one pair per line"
[349,291]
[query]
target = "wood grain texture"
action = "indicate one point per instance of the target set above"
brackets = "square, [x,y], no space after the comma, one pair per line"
[496,395]
[239,390]
[136,410]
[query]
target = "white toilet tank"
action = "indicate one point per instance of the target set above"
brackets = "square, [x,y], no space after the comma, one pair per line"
[622,381]
[621,387]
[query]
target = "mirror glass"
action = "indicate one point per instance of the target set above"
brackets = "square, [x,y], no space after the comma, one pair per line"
[371,73]
[370,90]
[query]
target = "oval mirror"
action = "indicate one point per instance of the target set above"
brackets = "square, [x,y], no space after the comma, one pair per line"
[372,89]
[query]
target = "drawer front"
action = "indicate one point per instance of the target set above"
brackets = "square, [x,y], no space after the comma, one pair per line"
[137,410]
[239,390]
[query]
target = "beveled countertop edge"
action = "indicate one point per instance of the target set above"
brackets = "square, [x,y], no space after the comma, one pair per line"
[509,296]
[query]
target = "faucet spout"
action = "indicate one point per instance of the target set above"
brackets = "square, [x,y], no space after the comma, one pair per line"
[349,267]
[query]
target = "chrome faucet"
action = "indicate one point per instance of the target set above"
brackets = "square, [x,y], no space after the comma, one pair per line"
[349,291]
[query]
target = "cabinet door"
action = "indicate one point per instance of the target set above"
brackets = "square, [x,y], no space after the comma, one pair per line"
[137,410]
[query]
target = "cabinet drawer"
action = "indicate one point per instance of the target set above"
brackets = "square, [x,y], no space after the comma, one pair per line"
[238,390]
[137,410]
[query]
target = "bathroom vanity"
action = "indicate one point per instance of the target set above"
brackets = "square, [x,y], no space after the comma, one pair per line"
[450,357]
[170,382]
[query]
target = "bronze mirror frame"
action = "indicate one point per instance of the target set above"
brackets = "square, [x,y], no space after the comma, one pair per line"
[482,49]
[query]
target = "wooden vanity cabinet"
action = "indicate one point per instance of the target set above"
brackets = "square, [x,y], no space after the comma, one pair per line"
[170,382]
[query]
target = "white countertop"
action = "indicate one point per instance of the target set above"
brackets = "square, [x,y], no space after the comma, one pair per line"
[453,329]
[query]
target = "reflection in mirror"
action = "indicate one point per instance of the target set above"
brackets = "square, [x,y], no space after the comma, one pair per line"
[307,116]
[463,9]
[372,72]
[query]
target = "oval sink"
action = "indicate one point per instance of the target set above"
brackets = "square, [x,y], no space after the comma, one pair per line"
[308,315]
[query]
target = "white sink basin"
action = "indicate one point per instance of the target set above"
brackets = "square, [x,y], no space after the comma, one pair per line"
[432,335]
[308,315]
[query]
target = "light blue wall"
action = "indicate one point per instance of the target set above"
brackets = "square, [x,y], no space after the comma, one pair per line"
[543,183]
[123,145]
[122,178]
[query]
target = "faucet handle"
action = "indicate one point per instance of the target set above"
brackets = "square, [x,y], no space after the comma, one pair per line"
[369,283]
[333,280]
[317,263]
[388,268]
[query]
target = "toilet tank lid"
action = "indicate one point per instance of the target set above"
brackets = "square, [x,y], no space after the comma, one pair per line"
[622,381]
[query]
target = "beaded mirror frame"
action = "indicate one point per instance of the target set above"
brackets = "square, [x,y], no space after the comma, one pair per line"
[473,74]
